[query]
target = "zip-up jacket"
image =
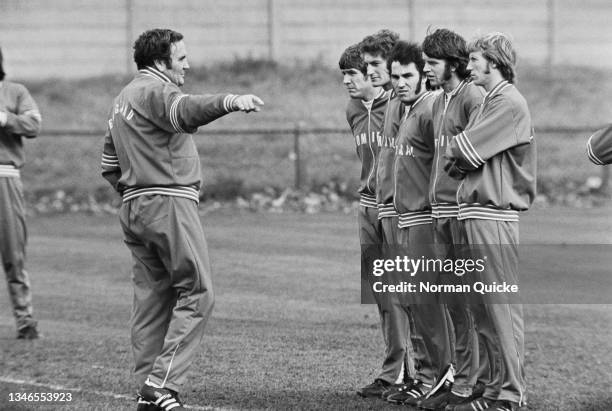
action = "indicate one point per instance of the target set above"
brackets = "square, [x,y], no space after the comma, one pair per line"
[20,118]
[148,148]
[414,150]
[451,115]
[599,146]
[366,124]
[384,171]
[496,154]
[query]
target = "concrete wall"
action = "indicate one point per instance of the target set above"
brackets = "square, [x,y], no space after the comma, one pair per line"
[78,38]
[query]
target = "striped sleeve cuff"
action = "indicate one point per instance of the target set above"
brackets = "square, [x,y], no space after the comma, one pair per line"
[174,118]
[8,170]
[468,151]
[367,200]
[228,102]
[592,155]
[110,161]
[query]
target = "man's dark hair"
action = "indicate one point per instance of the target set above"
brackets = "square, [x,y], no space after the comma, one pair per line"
[351,59]
[1,67]
[447,45]
[405,53]
[154,45]
[380,43]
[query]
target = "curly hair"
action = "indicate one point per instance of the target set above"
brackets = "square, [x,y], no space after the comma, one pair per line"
[380,43]
[447,45]
[497,48]
[155,45]
[351,59]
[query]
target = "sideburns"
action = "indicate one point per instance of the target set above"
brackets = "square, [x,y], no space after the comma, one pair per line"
[418,87]
[487,69]
[448,74]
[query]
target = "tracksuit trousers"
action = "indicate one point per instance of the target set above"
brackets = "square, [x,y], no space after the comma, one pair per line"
[464,340]
[374,235]
[13,238]
[499,325]
[173,295]
[430,336]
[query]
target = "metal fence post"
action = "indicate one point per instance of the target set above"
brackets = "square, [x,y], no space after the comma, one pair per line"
[411,21]
[297,131]
[129,34]
[550,33]
[273,28]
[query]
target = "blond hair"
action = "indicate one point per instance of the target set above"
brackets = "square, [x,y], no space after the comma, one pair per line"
[497,48]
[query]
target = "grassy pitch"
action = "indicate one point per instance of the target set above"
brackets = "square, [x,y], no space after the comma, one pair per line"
[287,331]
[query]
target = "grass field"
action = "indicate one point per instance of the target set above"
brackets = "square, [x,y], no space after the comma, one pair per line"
[287,331]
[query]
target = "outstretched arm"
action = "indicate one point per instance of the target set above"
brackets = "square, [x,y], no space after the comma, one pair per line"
[176,112]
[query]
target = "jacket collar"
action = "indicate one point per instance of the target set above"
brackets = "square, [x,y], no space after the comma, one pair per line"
[421,98]
[458,89]
[416,102]
[498,88]
[155,73]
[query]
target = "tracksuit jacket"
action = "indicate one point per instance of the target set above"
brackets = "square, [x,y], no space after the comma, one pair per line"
[498,152]
[599,146]
[414,149]
[22,120]
[384,174]
[148,148]
[366,125]
[450,116]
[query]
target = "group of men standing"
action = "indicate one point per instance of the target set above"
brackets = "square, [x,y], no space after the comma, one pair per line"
[448,162]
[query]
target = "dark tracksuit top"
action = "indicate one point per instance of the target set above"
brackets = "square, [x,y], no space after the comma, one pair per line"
[599,146]
[148,148]
[414,150]
[497,153]
[366,125]
[22,120]
[384,173]
[450,117]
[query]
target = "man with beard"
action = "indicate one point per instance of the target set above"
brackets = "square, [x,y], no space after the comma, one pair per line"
[446,58]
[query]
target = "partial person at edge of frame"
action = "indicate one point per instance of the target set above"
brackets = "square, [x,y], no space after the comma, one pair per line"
[599,146]
[19,117]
